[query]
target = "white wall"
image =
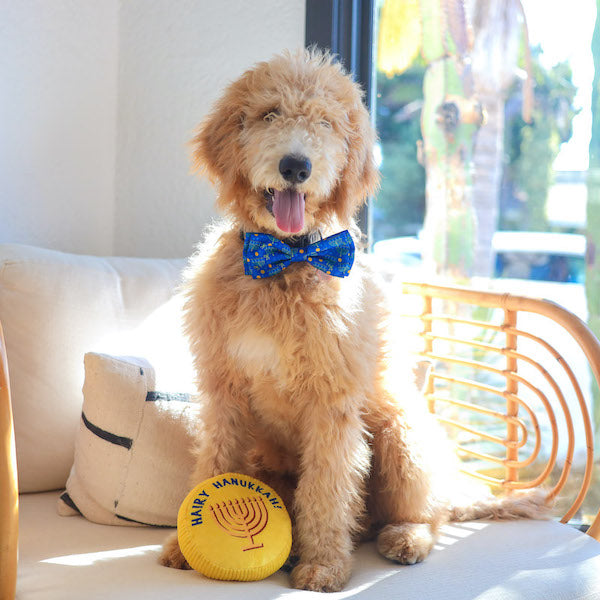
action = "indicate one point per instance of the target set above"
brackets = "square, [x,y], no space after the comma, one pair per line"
[97,103]
[58,100]
[174,59]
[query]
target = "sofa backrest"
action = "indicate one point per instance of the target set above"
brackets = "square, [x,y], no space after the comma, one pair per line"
[55,307]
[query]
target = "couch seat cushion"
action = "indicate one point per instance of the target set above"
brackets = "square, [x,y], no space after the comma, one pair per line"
[70,559]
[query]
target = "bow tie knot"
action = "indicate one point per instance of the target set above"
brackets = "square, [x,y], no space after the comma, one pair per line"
[265,255]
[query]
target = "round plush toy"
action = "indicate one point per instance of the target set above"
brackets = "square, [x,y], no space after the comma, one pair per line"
[234,527]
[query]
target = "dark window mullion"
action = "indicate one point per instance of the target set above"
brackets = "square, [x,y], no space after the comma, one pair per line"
[346,28]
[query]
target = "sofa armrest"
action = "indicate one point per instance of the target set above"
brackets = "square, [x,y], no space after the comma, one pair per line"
[9,498]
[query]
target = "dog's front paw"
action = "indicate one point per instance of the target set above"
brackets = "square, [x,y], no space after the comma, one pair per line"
[320,578]
[171,555]
[407,544]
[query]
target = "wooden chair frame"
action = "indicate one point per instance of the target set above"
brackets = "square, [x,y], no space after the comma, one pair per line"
[516,432]
[9,494]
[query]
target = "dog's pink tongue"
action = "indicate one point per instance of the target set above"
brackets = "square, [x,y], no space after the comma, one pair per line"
[288,208]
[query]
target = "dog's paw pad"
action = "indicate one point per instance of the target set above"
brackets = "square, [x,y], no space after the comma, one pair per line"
[406,544]
[319,578]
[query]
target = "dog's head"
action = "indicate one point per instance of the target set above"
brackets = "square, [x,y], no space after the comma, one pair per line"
[290,145]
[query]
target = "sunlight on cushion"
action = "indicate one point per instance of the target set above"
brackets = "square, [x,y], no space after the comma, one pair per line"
[354,589]
[160,340]
[82,560]
[450,534]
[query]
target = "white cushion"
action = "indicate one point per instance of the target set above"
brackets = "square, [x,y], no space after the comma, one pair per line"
[70,559]
[133,451]
[55,307]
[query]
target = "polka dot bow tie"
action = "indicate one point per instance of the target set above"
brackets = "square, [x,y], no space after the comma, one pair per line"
[265,255]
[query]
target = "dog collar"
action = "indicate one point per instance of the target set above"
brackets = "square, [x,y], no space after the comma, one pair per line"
[296,241]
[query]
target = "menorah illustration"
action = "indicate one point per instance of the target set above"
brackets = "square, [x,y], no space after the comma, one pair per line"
[242,518]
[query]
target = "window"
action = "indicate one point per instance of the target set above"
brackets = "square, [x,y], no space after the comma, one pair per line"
[346,27]
[485,164]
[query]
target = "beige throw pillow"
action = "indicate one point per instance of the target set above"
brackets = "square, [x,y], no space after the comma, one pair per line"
[133,451]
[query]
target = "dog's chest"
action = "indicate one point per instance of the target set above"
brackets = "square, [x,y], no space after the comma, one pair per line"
[290,350]
[272,380]
[256,354]
[297,346]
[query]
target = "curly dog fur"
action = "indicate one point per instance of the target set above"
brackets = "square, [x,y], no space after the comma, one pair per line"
[294,371]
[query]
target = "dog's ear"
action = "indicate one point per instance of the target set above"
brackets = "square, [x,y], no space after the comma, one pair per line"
[360,177]
[215,147]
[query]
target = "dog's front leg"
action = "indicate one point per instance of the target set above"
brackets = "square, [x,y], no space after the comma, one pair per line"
[329,497]
[220,448]
[223,441]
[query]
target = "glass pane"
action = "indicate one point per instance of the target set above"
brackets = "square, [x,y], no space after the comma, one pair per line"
[519,177]
[485,128]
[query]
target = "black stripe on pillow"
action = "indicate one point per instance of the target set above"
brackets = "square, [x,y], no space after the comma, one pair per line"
[69,501]
[141,522]
[107,435]
[168,397]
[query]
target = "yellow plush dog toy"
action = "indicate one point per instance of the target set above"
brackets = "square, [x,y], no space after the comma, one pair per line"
[234,527]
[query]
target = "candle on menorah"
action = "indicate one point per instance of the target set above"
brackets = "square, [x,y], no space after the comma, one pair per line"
[242,518]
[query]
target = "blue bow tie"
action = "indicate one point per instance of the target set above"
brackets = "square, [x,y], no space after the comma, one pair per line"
[265,255]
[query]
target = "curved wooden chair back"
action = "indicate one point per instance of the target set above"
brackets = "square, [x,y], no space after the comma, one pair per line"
[9,498]
[506,382]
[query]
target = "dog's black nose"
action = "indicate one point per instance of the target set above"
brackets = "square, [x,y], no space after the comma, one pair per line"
[295,169]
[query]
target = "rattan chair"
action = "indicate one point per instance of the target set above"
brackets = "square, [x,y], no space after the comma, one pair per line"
[504,373]
[503,389]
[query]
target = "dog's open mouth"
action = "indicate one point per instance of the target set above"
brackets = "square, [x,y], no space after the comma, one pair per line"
[287,206]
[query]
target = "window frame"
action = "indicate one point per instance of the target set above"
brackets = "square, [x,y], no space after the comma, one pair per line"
[346,28]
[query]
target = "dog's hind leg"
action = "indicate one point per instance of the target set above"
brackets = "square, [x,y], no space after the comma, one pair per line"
[407,543]
[402,505]
[171,555]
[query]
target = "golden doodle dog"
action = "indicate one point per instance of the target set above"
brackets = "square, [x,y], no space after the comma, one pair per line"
[292,363]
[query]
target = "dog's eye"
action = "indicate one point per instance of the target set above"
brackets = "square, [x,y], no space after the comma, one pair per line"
[271,115]
[325,123]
